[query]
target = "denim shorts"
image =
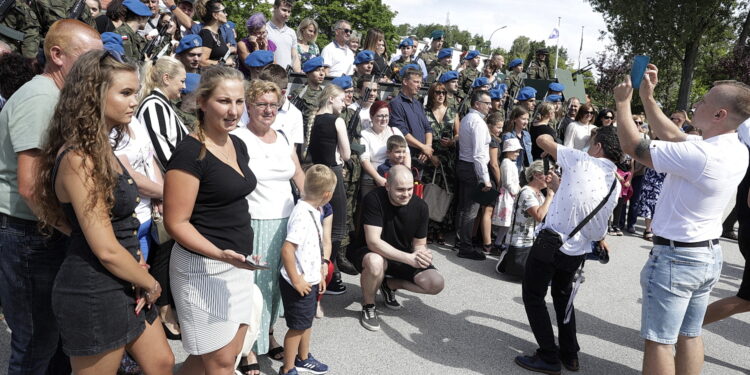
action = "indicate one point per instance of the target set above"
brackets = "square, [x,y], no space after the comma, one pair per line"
[676,284]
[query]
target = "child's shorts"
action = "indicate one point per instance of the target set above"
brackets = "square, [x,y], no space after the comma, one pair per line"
[299,311]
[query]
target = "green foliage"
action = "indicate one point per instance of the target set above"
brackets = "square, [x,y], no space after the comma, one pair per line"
[453,35]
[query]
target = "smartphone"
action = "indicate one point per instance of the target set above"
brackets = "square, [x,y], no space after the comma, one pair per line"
[546,165]
[638,70]
[254,265]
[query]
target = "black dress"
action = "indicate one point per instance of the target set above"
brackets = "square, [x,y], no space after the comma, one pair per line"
[95,310]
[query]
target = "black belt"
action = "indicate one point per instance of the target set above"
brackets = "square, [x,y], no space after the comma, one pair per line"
[5,218]
[663,241]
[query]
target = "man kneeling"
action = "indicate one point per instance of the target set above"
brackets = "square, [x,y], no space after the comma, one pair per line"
[393,244]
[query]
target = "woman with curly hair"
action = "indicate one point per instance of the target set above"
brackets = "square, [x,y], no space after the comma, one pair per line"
[103,295]
[213,14]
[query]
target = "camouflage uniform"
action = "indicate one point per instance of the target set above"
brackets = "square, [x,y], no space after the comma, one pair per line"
[453,101]
[352,174]
[310,107]
[448,158]
[50,11]
[466,78]
[537,70]
[397,65]
[21,30]
[435,70]
[515,82]
[428,57]
[133,43]
[189,119]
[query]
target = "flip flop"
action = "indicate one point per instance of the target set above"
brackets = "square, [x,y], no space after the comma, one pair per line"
[276,353]
[248,369]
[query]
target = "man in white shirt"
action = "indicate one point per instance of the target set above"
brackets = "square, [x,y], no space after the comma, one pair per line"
[702,174]
[472,170]
[283,36]
[337,54]
[588,178]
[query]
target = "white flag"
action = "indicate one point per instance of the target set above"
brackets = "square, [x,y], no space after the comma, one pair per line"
[554,34]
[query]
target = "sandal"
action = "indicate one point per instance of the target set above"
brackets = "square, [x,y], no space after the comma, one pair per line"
[648,235]
[248,369]
[276,353]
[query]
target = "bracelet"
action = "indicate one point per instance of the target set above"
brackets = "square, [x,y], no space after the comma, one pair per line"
[326,261]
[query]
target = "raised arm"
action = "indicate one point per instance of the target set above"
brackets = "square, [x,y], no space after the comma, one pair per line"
[548,144]
[631,141]
[659,123]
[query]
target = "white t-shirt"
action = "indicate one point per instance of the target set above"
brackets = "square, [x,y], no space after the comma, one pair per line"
[273,167]
[702,177]
[365,121]
[288,120]
[522,232]
[305,230]
[577,135]
[140,153]
[585,181]
[285,40]
[376,145]
[340,59]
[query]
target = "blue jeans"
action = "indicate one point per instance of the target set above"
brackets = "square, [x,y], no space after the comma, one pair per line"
[29,262]
[676,284]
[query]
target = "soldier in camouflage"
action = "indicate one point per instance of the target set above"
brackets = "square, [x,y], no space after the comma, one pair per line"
[189,52]
[471,72]
[305,98]
[441,65]
[450,80]
[136,17]
[497,95]
[436,45]
[363,64]
[19,28]
[515,78]
[538,67]
[185,106]
[49,11]
[407,57]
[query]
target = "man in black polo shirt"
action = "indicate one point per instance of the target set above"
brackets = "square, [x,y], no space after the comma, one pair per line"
[393,244]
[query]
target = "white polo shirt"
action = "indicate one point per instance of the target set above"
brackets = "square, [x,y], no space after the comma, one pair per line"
[340,59]
[285,40]
[585,181]
[702,176]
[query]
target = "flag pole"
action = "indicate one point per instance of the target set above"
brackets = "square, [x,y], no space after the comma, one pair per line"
[580,50]
[557,48]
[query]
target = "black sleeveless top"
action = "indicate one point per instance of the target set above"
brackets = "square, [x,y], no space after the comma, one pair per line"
[324,140]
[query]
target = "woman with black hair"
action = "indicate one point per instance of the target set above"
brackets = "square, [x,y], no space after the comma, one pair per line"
[213,15]
[605,118]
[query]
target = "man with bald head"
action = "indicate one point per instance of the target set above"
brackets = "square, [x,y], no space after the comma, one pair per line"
[702,175]
[392,253]
[29,260]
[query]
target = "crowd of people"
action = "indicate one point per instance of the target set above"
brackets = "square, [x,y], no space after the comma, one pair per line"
[160,181]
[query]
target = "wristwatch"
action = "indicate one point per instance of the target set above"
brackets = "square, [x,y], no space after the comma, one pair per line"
[172,7]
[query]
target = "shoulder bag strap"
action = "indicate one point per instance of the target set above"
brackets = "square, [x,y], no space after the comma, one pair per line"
[591,215]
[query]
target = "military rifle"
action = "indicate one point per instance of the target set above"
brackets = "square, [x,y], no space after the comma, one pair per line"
[14,34]
[149,49]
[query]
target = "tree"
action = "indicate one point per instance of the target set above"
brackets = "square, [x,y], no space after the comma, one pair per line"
[520,48]
[669,31]
[611,68]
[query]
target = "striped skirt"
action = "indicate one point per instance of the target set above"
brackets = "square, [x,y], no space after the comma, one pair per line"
[212,299]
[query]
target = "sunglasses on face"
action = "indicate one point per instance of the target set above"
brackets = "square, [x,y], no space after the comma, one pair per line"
[346,31]
[639,122]
[608,117]
[590,113]
[441,92]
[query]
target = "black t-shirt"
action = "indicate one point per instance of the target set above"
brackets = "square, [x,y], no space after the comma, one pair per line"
[324,140]
[401,225]
[743,211]
[221,212]
[214,42]
[104,24]
[535,132]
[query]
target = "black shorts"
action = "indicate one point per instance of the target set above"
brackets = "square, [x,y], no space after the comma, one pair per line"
[299,311]
[395,269]
[743,241]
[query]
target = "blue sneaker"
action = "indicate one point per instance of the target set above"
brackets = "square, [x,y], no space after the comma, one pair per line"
[310,365]
[536,364]
[293,371]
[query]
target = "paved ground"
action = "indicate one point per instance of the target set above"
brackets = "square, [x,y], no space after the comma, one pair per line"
[477,325]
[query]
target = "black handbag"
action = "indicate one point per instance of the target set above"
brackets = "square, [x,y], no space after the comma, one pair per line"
[548,241]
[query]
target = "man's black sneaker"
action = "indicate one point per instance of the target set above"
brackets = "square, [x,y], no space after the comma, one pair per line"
[346,266]
[336,286]
[369,318]
[389,295]
[473,254]
[534,363]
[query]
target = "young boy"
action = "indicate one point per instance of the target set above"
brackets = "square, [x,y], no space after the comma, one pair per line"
[396,152]
[304,271]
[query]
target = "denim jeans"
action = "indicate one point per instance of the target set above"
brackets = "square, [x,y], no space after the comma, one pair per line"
[29,262]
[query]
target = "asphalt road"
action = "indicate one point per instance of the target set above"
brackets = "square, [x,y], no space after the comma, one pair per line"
[477,325]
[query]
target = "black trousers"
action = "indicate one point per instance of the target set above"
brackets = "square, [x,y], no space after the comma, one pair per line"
[467,209]
[536,278]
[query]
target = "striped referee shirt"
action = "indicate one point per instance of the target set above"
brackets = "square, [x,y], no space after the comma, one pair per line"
[164,127]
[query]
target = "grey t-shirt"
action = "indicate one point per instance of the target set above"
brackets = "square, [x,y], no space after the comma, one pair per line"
[23,125]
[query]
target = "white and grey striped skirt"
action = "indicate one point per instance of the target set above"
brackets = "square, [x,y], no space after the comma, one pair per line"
[212,298]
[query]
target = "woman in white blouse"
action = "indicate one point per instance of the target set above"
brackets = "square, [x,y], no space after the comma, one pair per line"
[578,133]
[375,139]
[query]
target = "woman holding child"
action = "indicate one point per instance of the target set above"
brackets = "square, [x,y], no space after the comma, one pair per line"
[375,139]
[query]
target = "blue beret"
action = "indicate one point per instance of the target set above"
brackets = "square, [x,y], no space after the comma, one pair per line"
[555,86]
[344,82]
[553,98]
[259,59]
[445,52]
[137,7]
[406,43]
[409,66]
[312,64]
[364,57]
[496,94]
[526,93]
[448,76]
[502,86]
[480,81]
[472,54]
[514,63]
[189,42]
[113,42]
[437,34]
[191,82]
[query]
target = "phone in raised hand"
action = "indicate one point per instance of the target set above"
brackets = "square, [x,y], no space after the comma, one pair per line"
[640,62]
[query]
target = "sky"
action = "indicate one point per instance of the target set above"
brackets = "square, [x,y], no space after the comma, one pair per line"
[532,18]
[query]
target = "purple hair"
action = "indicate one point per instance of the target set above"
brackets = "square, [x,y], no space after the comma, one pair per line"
[256,21]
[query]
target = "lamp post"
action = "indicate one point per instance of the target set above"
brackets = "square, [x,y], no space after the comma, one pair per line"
[493,33]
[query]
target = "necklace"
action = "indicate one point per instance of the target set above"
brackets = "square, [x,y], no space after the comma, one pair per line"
[221,151]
